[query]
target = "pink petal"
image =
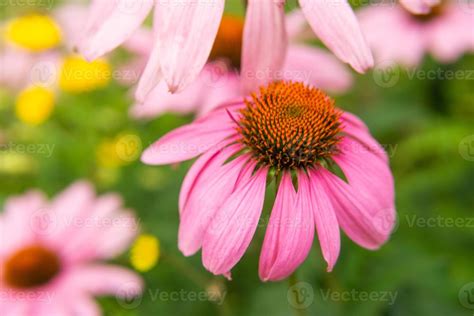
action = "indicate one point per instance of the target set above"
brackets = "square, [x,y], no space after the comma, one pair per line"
[100,279]
[335,24]
[321,69]
[190,140]
[355,215]
[290,231]
[369,175]
[325,218]
[186,34]
[118,25]
[264,43]
[234,224]
[357,130]
[151,76]
[214,185]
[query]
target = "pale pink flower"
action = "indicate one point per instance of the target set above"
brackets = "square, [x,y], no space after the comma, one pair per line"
[51,252]
[184,33]
[398,36]
[220,80]
[289,132]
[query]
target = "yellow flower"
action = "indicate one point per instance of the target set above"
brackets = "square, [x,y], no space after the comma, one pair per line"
[34,105]
[145,253]
[34,32]
[78,75]
[119,151]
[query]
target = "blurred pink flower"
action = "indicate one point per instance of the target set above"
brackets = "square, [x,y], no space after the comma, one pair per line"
[398,36]
[184,33]
[51,251]
[287,131]
[220,80]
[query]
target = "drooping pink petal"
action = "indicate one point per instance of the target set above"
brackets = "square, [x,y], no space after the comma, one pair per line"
[325,219]
[190,140]
[125,17]
[231,230]
[419,6]
[215,184]
[264,43]
[314,66]
[369,174]
[186,33]
[356,216]
[335,24]
[290,231]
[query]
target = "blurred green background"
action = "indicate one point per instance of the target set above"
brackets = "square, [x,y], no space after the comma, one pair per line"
[427,126]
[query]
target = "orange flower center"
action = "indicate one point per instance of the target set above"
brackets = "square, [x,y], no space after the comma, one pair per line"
[290,126]
[30,267]
[228,43]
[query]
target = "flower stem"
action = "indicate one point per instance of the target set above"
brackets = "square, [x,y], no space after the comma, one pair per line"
[293,282]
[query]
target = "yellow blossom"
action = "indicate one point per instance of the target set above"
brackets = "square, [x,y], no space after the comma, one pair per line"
[78,75]
[34,105]
[145,252]
[34,32]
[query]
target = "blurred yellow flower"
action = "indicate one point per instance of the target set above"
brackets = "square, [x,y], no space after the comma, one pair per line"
[119,151]
[34,105]
[79,75]
[145,252]
[34,32]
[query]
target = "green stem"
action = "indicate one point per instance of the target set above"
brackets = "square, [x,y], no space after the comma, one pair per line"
[293,281]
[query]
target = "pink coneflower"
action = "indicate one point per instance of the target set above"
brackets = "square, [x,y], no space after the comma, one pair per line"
[221,80]
[51,252]
[399,36]
[185,32]
[292,133]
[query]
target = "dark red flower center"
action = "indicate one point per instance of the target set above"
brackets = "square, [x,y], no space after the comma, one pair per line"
[289,125]
[435,12]
[30,267]
[228,43]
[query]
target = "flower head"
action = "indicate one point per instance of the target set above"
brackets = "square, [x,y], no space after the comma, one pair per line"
[441,31]
[54,249]
[291,133]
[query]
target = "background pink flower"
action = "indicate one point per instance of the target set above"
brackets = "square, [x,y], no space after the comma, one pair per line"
[51,252]
[398,36]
